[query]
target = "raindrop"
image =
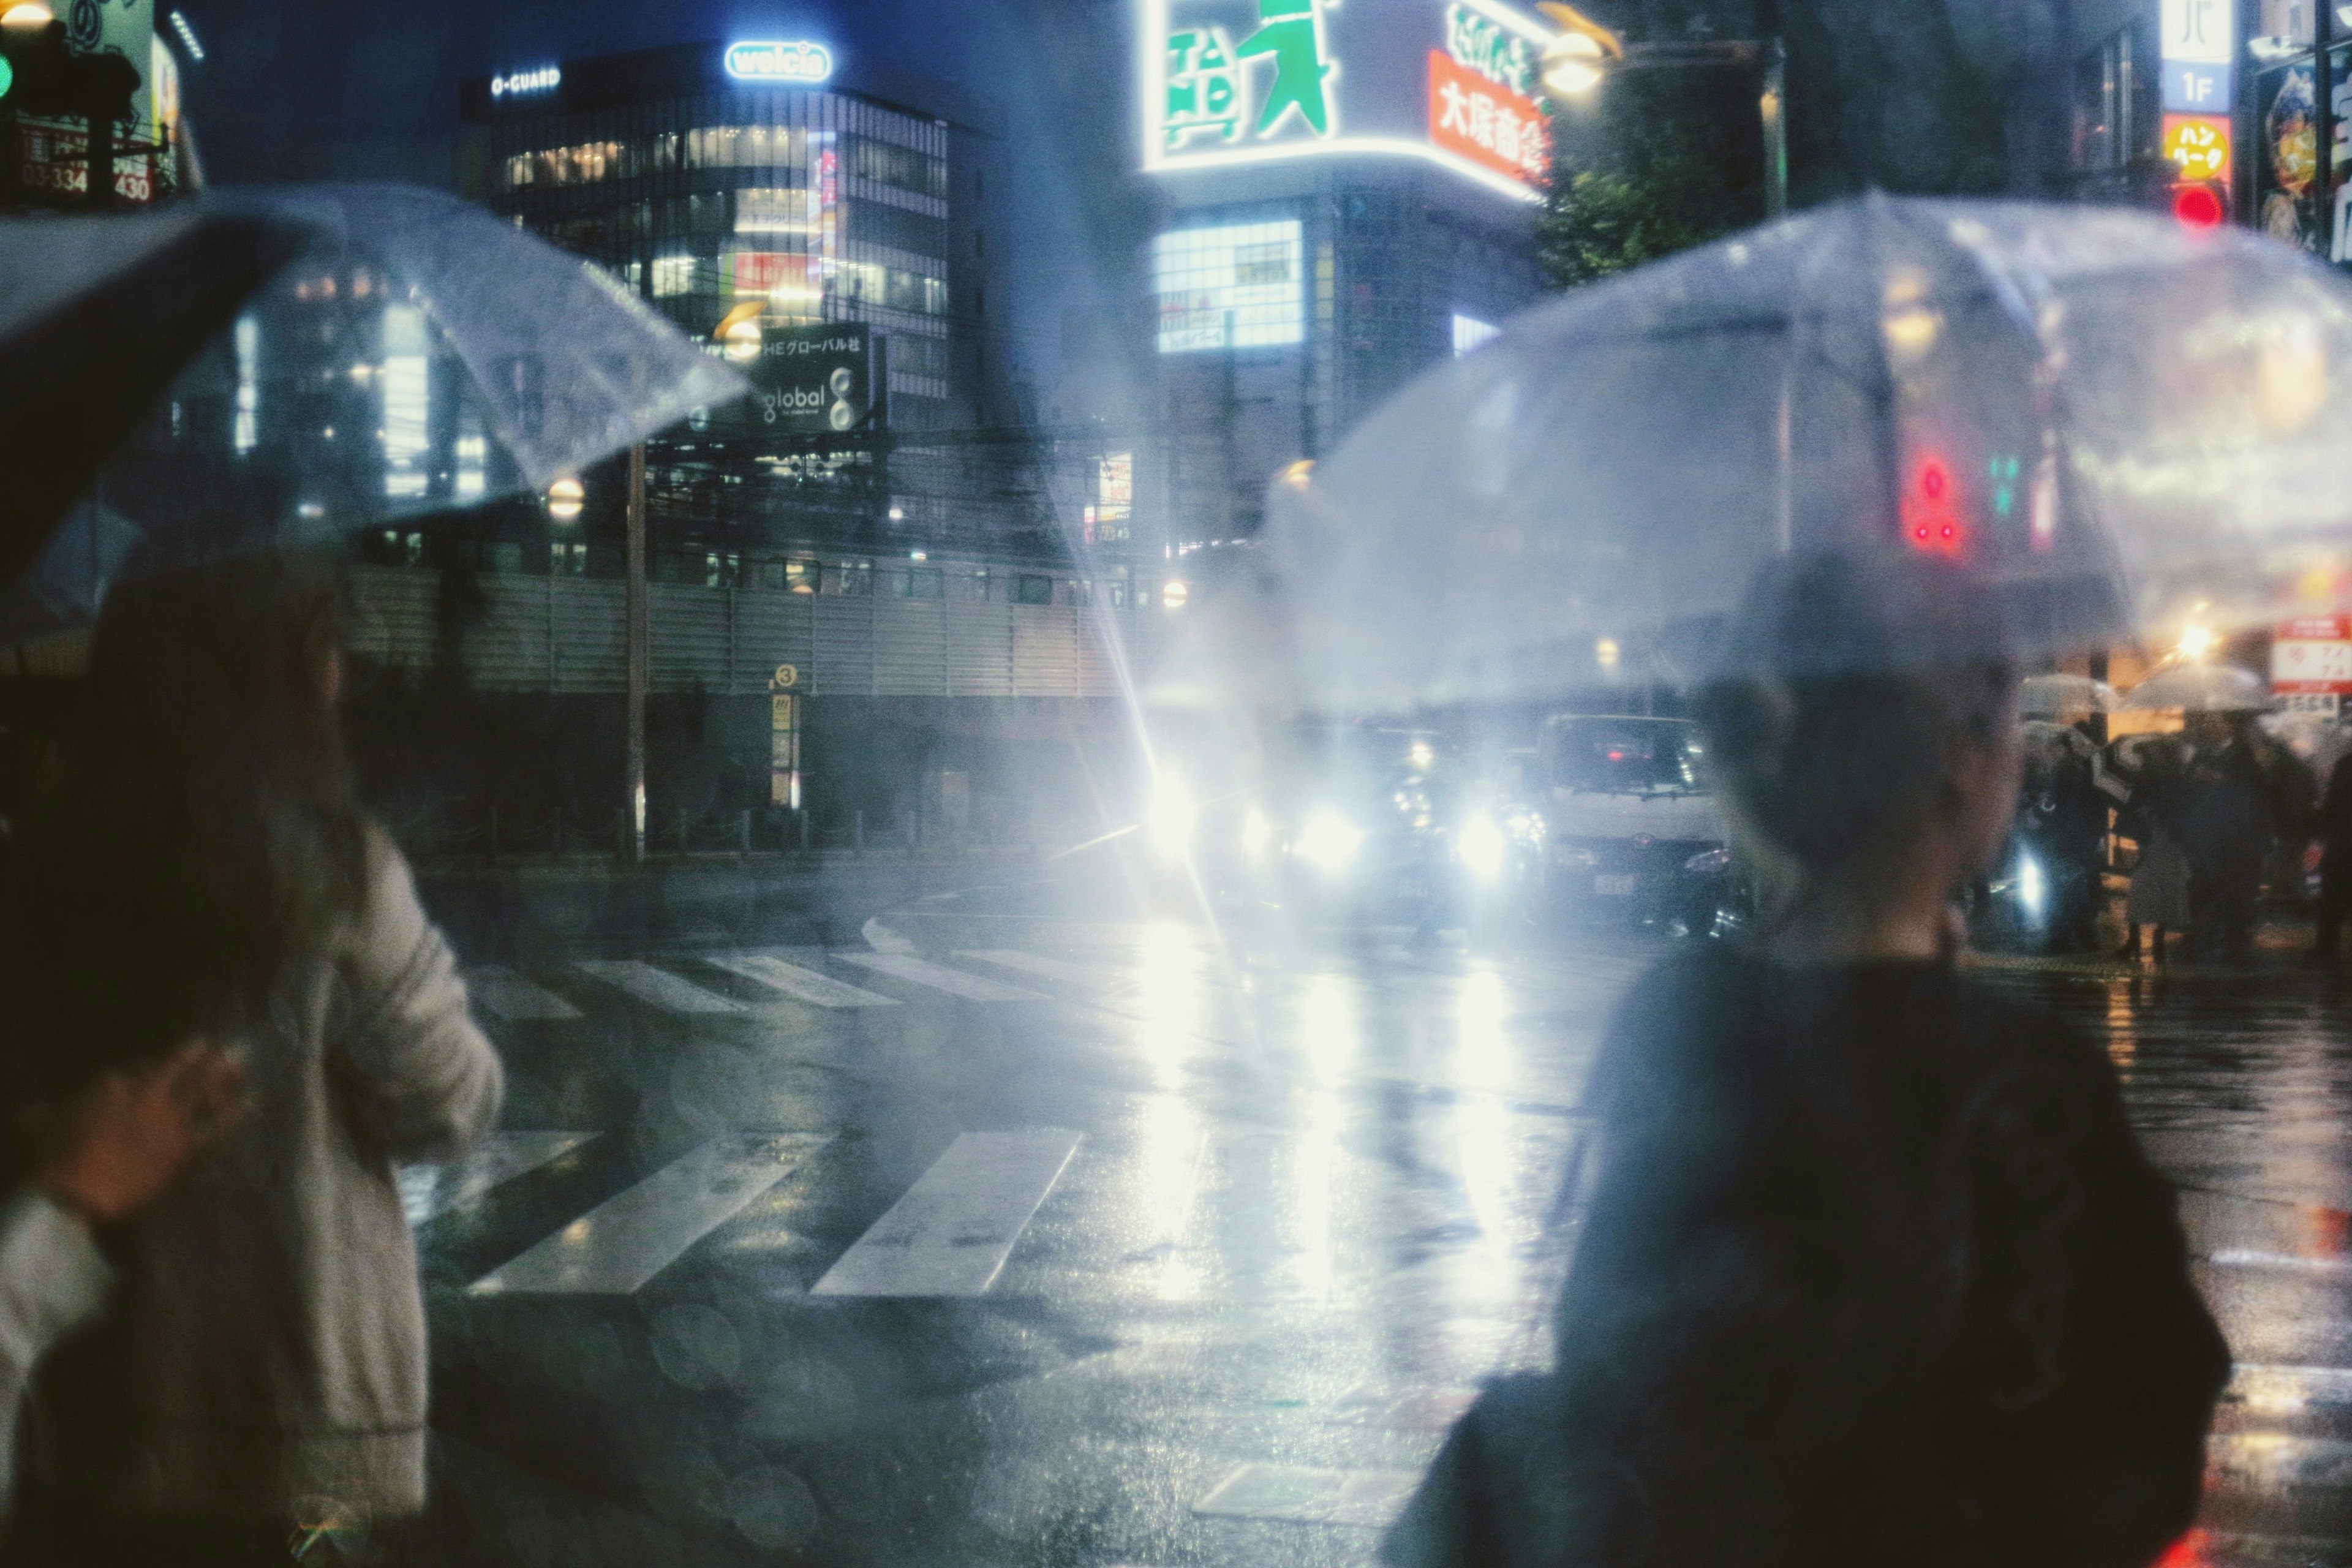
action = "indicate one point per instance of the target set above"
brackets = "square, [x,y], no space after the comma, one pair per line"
[696,1346]
[773,1509]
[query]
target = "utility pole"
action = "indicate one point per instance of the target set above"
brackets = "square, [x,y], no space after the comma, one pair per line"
[2323,121]
[639,660]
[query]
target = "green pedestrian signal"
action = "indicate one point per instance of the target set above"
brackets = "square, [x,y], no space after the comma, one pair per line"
[7,76]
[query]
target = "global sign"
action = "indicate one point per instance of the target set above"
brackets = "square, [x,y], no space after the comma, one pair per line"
[797,61]
[1228,83]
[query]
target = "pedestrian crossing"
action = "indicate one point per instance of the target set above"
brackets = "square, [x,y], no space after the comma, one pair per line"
[801,984]
[953,1232]
[622,1243]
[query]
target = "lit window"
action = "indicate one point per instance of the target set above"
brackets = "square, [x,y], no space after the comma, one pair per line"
[775,211]
[1235,286]
[673,275]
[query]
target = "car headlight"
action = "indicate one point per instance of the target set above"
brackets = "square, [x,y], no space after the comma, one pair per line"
[1329,842]
[1480,845]
[1172,818]
[1708,863]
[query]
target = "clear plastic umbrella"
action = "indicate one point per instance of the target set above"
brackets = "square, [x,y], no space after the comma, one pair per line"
[2108,417]
[2201,689]
[366,353]
[2047,696]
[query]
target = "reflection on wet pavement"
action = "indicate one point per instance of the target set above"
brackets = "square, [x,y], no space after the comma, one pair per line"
[1129,1246]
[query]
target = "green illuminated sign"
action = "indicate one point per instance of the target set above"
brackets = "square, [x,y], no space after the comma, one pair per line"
[1291,31]
[7,76]
[1502,56]
[1209,80]
[1230,83]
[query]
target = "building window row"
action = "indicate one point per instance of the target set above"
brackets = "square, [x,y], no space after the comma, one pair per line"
[775,147]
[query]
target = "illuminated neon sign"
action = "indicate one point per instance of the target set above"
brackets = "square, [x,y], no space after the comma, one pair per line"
[2200,51]
[798,61]
[1227,83]
[546,78]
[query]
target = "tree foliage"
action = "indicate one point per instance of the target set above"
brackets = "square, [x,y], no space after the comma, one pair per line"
[1915,96]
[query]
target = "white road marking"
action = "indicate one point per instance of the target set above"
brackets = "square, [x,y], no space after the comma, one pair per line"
[2272,1462]
[955,982]
[426,1191]
[1426,1409]
[2240,1258]
[2286,1389]
[513,998]
[1085,976]
[657,987]
[800,984]
[627,1239]
[952,1231]
[1371,1498]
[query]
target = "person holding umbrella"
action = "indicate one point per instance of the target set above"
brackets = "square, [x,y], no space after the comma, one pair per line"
[205,868]
[1871,1268]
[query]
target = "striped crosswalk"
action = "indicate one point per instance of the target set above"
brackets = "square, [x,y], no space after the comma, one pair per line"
[624,1241]
[801,984]
[939,977]
[657,987]
[953,1232]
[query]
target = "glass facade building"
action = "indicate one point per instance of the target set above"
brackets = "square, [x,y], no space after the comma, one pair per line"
[857,198]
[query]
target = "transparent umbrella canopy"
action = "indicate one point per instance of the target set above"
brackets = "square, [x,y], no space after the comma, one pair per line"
[2201,689]
[2047,696]
[2107,418]
[367,353]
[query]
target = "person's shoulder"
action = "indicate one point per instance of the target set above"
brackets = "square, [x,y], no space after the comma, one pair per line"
[2011,1038]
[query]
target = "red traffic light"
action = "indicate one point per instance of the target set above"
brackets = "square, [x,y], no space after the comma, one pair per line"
[1930,522]
[2199,206]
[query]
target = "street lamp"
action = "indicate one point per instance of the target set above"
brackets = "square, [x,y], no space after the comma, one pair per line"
[1587,54]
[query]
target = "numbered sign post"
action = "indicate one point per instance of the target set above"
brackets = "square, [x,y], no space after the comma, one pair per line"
[2311,664]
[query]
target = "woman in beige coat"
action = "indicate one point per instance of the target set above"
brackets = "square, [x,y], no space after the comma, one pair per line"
[209,870]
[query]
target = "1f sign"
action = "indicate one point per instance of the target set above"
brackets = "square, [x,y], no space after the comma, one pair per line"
[2202,32]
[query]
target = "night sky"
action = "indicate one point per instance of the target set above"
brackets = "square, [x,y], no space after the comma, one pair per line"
[294,90]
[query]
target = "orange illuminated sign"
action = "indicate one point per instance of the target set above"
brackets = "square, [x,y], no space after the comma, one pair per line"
[1486,123]
[2198,145]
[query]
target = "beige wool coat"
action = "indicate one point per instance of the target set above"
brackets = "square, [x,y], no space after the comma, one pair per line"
[264,1354]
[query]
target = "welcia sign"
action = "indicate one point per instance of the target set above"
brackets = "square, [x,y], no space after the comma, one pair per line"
[1236,82]
[798,61]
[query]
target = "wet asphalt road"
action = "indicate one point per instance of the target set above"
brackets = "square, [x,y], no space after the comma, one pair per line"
[1026,1240]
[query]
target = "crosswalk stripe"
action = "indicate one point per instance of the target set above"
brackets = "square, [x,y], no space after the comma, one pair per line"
[2239,1257]
[2277,1390]
[515,999]
[955,982]
[657,987]
[627,1239]
[428,1191]
[951,1232]
[1079,974]
[1371,1498]
[800,984]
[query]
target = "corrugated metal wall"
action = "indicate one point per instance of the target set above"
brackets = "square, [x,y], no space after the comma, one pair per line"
[564,634]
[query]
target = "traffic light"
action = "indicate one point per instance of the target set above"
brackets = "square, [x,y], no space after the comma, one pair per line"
[1932,521]
[2200,205]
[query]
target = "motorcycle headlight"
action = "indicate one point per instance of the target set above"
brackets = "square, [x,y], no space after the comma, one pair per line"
[1329,842]
[1708,863]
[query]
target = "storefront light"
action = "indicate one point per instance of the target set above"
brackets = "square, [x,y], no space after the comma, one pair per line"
[565,499]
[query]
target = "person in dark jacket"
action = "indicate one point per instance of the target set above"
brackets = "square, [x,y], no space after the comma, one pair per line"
[2334,827]
[1870,1269]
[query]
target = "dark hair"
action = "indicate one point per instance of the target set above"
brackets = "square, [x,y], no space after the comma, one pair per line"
[1846,684]
[206,827]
